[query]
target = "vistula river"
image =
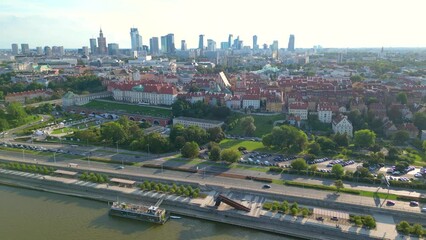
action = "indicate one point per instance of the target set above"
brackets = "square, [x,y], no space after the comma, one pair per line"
[35,215]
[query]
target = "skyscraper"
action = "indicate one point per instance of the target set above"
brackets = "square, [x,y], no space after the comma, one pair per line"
[170,43]
[85,50]
[25,48]
[102,48]
[164,44]
[201,42]
[39,50]
[153,45]
[15,49]
[47,51]
[255,46]
[93,46]
[183,46]
[211,45]
[113,49]
[291,43]
[136,39]
[230,40]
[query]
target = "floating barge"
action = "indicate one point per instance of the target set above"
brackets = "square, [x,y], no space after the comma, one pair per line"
[152,214]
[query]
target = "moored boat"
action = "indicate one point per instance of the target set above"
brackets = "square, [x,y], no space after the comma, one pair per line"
[152,214]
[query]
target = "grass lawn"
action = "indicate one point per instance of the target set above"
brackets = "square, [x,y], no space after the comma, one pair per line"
[129,108]
[250,145]
[264,125]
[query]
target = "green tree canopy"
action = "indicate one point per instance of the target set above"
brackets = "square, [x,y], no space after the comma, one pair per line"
[338,170]
[248,126]
[420,120]
[113,132]
[286,137]
[364,138]
[338,184]
[230,155]
[299,164]
[400,137]
[214,154]
[190,150]
[402,98]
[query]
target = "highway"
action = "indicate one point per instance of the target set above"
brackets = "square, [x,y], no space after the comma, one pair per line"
[204,178]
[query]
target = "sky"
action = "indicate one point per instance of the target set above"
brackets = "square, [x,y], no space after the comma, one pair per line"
[329,23]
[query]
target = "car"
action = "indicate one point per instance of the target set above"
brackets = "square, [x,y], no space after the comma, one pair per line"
[266,186]
[418,175]
[320,219]
[414,204]
[334,219]
[424,209]
[119,167]
[390,203]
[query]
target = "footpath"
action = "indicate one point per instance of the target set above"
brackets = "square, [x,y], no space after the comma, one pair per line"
[204,208]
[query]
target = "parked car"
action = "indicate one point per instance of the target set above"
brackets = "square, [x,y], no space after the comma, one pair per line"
[266,186]
[390,203]
[414,204]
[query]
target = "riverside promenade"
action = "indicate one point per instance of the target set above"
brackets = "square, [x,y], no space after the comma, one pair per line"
[204,208]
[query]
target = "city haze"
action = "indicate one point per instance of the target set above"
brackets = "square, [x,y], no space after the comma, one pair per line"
[327,23]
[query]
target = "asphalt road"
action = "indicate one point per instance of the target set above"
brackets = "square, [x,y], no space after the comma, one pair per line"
[206,178]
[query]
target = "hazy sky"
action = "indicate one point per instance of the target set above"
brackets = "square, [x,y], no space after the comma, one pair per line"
[330,23]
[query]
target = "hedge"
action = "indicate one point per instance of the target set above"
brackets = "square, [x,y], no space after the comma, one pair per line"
[148,165]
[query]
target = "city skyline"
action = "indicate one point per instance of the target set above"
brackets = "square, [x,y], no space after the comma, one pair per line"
[327,23]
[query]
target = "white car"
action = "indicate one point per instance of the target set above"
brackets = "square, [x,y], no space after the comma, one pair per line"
[418,175]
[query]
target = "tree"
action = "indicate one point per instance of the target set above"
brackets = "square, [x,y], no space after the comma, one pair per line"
[338,184]
[404,227]
[364,138]
[215,134]
[369,222]
[417,229]
[420,120]
[299,164]
[314,148]
[190,150]
[214,154]
[113,132]
[156,143]
[402,97]
[4,125]
[230,155]
[338,170]
[287,137]
[341,140]
[313,168]
[362,172]
[247,123]
[400,137]
[326,143]
[356,78]
[395,115]
[424,145]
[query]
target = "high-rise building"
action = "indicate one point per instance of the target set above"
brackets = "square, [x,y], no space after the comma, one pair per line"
[291,43]
[47,51]
[25,48]
[183,46]
[102,47]
[211,45]
[238,44]
[58,50]
[170,43]
[136,39]
[39,50]
[224,45]
[255,46]
[265,46]
[153,45]
[201,42]
[113,49]
[164,44]
[85,50]
[274,46]
[15,49]
[230,40]
[93,46]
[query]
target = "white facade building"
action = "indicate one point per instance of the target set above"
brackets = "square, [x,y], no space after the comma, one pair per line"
[202,123]
[299,109]
[342,125]
[325,113]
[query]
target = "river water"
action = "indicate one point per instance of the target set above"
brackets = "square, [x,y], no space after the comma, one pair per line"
[34,215]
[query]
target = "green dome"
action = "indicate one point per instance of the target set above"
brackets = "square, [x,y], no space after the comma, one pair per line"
[138,88]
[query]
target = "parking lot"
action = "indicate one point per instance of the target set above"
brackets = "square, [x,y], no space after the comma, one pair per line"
[265,159]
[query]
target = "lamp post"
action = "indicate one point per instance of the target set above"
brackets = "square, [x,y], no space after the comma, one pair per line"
[23,154]
[54,157]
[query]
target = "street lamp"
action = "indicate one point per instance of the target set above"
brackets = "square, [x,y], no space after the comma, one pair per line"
[54,157]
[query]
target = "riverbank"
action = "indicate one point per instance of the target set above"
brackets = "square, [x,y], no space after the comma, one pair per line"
[198,208]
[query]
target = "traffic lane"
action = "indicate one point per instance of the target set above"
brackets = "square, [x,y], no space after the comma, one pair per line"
[216,170]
